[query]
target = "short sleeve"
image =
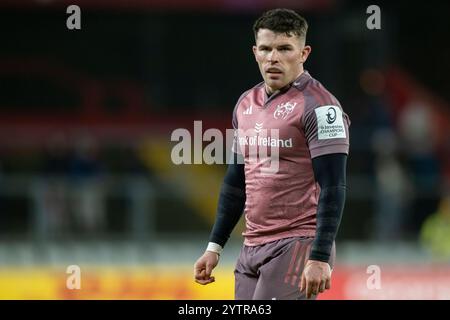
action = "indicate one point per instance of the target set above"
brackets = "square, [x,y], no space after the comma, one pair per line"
[235,148]
[326,130]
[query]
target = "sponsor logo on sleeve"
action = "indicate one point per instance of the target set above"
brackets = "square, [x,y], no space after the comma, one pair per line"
[330,123]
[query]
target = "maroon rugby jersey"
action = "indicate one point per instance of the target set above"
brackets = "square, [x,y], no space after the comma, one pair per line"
[278,136]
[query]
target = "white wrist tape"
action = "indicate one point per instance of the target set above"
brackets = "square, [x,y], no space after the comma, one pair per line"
[214,247]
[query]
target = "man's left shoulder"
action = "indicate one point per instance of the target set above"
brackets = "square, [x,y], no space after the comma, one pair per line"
[318,94]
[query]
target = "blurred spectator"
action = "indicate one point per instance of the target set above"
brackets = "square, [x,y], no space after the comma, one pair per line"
[415,128]
[435,233]
[54,191]
[418,144]
[87,186]
[392,194]
[445,160]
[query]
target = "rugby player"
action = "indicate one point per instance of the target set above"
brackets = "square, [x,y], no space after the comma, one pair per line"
[292,215]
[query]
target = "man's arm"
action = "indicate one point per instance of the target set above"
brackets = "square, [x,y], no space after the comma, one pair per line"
[229,211]
[330,174]
[231,204]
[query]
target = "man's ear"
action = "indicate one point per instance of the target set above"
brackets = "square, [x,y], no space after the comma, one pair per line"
[254,51]
[305,53]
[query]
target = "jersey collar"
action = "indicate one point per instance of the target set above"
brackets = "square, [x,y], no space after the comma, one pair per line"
[299,82]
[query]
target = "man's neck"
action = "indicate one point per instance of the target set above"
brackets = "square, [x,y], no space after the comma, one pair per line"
[270,92]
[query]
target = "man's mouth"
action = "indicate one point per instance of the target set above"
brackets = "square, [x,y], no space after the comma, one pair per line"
[273,71]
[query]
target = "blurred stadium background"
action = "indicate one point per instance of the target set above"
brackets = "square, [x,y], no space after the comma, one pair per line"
[86,117]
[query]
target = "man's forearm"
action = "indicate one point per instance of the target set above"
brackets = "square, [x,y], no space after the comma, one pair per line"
[229,211]
[330,173]
[231,204]
[329,214]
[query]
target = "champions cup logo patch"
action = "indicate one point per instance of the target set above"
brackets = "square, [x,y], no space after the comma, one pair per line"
[283,110]
[330,123]
[331,115]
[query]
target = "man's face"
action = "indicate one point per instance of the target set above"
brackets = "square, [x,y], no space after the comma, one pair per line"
[280,58]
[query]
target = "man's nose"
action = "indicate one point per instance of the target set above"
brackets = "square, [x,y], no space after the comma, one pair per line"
[273,56]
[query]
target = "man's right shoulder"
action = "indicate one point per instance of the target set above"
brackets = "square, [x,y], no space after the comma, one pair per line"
[241,98]
[249,91]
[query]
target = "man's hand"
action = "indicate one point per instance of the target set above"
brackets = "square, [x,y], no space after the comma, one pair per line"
[316,277]
[204,266]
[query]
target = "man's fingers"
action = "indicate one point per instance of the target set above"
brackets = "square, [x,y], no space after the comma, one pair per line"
[199,274]
[206,281]
[308,289]
[302,283]
[202,278]
[322,286]
[197,271]
[208,269]
[204,267]
[328,284]
[198,267]
[311,288]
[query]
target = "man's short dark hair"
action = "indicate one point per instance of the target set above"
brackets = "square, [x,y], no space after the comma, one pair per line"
[284,21]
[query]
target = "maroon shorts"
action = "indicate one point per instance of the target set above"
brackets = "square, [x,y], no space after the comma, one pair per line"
[273,270]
